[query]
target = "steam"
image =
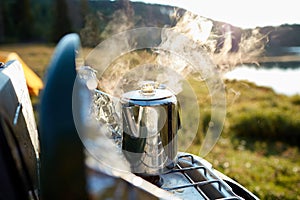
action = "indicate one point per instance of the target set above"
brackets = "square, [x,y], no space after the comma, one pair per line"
[250,48]
[171,56]
[190,30]
[195,27]
[121,21]
[202,31]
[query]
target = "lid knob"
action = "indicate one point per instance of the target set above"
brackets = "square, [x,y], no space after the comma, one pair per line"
[148,88]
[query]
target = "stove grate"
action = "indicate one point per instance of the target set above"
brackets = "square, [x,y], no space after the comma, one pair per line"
[200,177]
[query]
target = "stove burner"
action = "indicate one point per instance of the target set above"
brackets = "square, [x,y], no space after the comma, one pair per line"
[156,180]
[191,178]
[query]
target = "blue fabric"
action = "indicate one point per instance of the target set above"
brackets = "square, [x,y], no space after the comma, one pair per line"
[62,159]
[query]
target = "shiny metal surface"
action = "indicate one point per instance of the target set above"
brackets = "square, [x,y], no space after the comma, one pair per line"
[194,178]
[191,178]
[150,125]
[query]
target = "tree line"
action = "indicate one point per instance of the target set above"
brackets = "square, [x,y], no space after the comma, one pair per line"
[35,20]
[49,20]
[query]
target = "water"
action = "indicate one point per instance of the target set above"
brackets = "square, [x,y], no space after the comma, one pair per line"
[282,79]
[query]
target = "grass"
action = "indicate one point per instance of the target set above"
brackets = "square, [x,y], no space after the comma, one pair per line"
[265,115]
[36,56]
[259,146]
[268,166]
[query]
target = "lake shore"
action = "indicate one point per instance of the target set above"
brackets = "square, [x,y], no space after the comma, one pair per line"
[285,58]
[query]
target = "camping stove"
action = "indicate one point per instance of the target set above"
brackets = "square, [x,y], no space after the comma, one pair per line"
[193,178]
[150,121]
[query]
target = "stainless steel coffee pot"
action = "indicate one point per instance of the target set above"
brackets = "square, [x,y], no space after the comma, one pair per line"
[150,123]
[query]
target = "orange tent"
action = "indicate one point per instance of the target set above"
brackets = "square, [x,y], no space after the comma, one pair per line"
[34,83]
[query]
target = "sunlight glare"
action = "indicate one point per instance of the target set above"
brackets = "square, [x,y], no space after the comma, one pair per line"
[245,14]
